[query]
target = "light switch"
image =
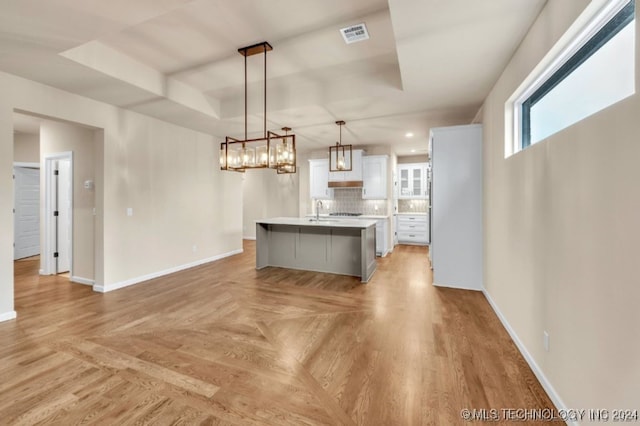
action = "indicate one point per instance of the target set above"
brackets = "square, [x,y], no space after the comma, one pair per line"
[129,211]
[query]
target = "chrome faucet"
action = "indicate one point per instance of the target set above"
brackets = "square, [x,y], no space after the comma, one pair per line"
[318,207]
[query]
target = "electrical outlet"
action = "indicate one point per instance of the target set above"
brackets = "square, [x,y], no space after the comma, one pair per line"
[194,248]
[545,341]
[129,211]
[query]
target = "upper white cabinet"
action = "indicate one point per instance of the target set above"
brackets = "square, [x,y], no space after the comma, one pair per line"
[412,180]
[319,179]
[356,169]
[374,177]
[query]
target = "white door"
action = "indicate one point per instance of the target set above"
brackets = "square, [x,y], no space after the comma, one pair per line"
[27,212]
[64,216]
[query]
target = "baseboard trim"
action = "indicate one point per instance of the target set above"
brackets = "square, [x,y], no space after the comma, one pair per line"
[115,286]
[457,287]
[80,280]
[249,238]
[7,316]
[546,384]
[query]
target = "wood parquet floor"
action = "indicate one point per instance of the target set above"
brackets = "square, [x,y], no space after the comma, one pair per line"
[224,344]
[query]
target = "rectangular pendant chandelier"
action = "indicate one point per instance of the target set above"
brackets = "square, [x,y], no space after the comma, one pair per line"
[272,150]
[340,155]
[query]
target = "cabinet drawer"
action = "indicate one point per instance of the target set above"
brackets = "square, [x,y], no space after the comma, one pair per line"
[412,237]
[412,226]
[412,218]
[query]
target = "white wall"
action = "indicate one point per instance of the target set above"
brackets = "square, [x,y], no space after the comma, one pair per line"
[408,159]
[168,174]
[561,235]
[56,137]
[98,219]
[26,148]
[6,210]
[266,194]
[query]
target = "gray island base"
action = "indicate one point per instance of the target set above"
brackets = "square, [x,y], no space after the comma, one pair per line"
[345,247]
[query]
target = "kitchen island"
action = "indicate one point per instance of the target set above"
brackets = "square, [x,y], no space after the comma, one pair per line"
[344,246]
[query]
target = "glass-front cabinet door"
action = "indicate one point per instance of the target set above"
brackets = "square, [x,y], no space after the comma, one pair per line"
[405,190]
[416,187]
[412,180]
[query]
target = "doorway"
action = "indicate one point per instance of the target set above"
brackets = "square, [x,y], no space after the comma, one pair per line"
[57,256]
[26,219]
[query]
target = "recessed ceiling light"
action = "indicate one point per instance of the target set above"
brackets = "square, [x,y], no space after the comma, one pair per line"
[413,150]
[408,135]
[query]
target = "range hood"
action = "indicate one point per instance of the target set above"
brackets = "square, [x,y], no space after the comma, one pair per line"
[346,184]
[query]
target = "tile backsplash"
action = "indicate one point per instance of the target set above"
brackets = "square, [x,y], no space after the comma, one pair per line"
[349,200]
[412,206]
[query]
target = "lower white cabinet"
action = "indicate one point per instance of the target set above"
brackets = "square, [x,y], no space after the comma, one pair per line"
[381,237]
[412,229]
[382,231]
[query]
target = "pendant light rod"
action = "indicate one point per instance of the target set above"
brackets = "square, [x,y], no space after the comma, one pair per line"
[255,49]
[264,131]
[245,97]
[340,123]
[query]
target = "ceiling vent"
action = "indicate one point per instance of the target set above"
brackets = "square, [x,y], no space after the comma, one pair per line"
[355,33]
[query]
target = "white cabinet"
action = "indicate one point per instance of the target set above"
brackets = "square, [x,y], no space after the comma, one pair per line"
[382,230]
[355,174]
[374,171]
[319,180]
[381,237]
[412,180]
[412,229]
[456,206]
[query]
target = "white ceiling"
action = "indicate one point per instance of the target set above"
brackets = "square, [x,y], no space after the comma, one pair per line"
[427,63]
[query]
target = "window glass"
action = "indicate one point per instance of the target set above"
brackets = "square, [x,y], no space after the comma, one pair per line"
[600,74]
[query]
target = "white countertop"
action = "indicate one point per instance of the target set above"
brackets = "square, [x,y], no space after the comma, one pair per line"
[324,221]
[364,216]
[411,214]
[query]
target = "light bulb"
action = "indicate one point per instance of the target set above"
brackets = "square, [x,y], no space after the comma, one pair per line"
[222,157]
